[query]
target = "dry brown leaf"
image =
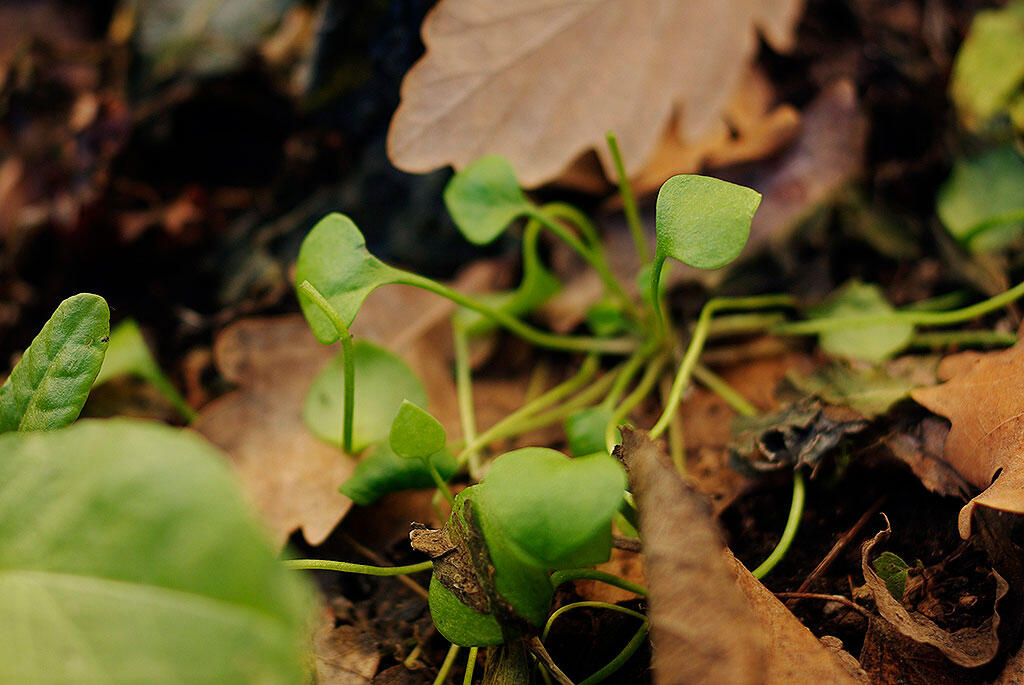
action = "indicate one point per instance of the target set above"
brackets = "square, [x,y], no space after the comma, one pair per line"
[292,477]
[542,81]
[983,397]
[794,655]
[701,628]
[344,654]
[968,647]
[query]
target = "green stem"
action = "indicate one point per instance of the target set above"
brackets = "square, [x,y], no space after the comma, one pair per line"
[464,392]
[346,567]
[526,332]
[629,202]
[467,679]
[442,487]
[716,384]
[1013,216]
[936,339]
[629,370]
[742,324]
[796,510]
[620,659]
[700,334]
[656,266]
[593,257]
[588,603]
[566,211]
[348,360]
[559,577]
[446,667]
[552,396]
[905,316]
[642,389]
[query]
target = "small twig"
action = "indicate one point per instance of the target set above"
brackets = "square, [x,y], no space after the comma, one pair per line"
[624,543]
[848,603]
[381,561]
[538,650]
[842,543]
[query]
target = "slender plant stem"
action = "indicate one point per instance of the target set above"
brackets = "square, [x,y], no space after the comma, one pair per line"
[467,679]
[716,384]
[348,360]
[676,436]
[642,390]
[442,486]
[346,567]
[593,257]
[629,202]
[742,324]
[700,334]
[580,605]
[659,315]
[446,666]
[956,298]
[464,392]
[632,366]
[796,510]
[559,577]
[620,659]
[1013,216]
[413,657]
[526,332]
[564,210]
[556,394]
[934,339]
[904,316]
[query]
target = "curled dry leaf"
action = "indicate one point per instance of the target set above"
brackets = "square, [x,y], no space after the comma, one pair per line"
[542,81]
[292,477]
[711,620]
[968,647]
[983,399]
[344,654]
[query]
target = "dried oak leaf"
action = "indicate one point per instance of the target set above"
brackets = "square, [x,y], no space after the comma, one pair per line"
[542,81]
[291,476]
[968,647]
[983,397]
[711,620]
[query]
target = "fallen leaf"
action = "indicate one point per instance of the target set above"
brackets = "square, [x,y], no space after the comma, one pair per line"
[983,399]
[292,477]
[344,654]
[869,390]
[888,656]
[969,647]
[711,620]
[541,81]
[920,446]
[701,628]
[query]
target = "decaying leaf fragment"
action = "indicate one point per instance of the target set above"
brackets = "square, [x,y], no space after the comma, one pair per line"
[968,647]
[542,81]
[983,397]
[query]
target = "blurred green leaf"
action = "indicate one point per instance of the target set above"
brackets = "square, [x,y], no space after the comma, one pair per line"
[50,384]
[989,68]
[484,198]
[382,382]
[382,472]
[893,571]
[415,434]
[982,202]
[128,553]
[873,343]
[870,392]
[585,430]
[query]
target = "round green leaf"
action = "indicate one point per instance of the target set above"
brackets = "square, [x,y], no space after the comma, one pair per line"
[982,202]
[415,433]
[484,198]
[556,509]
[585,430]
[50,384]
[334,259]
[382,382]
[703,221]
[461,624]
[382,471]
[873,343]
[129,554]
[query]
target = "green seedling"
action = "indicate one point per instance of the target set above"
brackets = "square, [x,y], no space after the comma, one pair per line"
[381,472]
[874,343]
[415,434]
[893,570]
[128,355]
[50,384]
[981,204]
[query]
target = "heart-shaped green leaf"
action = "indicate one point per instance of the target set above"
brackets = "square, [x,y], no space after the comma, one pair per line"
[49,386]
[703,221]
[982,202]
[893,570]
[461,624]
[872,342]
[585,430]
[555,509]
[129,554]
[127,354]
[382,472]
[334,259]
[484,198]
[382,382]
[415,434]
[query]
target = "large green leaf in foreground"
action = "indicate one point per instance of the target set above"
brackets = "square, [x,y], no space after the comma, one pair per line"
[128,554]
[49,386]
